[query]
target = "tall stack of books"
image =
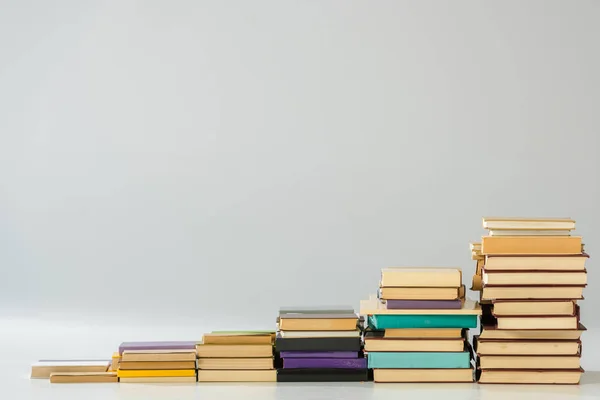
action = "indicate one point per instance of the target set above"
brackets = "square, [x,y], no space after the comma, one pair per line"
[533,275]
[417,326]
[236,356]
[320,345]
[157,362]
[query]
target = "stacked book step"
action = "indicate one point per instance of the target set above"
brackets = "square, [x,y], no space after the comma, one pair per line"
[236,356]
[320,345]
[418,326]
[532,276]
[157,362]
[74,371]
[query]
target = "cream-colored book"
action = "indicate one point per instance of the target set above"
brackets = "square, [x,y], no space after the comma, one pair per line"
[423,375]
[217,338]
[531,292]
[319,334]
[205,375]
[535,245]
[403,293]
[374,306]
[164,379]
[530,362]
[438,345]
[421,277]
[158,355]
[544,323]
[534,278]
[44,368]
[491,333]
[536,263]
[531,224]
[83,377]
[505,232]
[235,363]
[514,347]
[527,376]
[446,333]
[318,324]
[234,350]
[533,308]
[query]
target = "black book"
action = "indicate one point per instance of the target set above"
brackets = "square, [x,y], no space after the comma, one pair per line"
[318,344]
[322,375]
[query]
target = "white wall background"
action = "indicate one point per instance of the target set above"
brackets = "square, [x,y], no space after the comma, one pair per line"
[206,162]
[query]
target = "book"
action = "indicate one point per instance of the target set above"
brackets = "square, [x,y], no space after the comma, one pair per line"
[319,334]
[492,332]
[148,373]
[423,375]
[423,304]
[164,345]
[530,362]
[375,343]
[374,306]
[523,232]
[160,379]
[318,344]
[342,310]
[235,363]
[421,277]
[346,363]
[319,354]
[322,375]
[158,355]
[115,361]
[527,347]
[238,338]
[536,263]
[538,322]
[550,376]
[44,368]
[445,333]
[234,350]
[531,292]
[437,360]
[526,278]
[535,224]
[419,293]
[379,322]
[534,307]
[205,375]
[157,365]
[318,324]
[83,377]
[541,245]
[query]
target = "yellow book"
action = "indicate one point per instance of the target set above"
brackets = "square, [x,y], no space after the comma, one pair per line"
[148,373]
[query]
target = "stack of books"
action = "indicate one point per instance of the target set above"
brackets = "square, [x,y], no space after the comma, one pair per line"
[418,326]
[73,371]
[321,344]
[532,275]
[236,356]
[157,362]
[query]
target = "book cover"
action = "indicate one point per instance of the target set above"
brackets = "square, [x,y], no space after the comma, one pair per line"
[380,322]
[318,344]
[319,354]
[419,360]
[347,363]
[423,304]
[163,345]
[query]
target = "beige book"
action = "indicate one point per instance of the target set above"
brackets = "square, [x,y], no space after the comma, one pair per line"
[477,284]
[549,334]
[319,334]
[531,292]
[235,363]
[423,375]
[523,232]
[44,368]
[534,224]
[534,278]
[383,344]
[83,377]
[532,347]
[215,338]
[527,376]
[158,355]
[540,245]
[158,365]
[234,350]
[446,333]
[533,308]
[317,324]
[544,323]
[115,361]
[205,375]
[402,293]
[421,277]
[374,306]
[475,246]
[530,362]
[536,263]
[158,379]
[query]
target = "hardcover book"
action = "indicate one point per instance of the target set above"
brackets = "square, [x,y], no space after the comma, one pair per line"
[319,354]
[322,375]
[379,322]
[423,304]
[347,363]
[318,344]
[184,345]
[437,360]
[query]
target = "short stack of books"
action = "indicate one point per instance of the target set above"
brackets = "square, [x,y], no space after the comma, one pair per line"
[157,362]
[74,371]
[417,326]
[236,356]
[532,277]
[320,345]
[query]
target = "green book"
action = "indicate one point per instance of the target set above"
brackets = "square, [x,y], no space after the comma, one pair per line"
[419,360]
[381,321]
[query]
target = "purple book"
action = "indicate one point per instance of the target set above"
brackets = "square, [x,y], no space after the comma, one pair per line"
[423,304]
[348,363]
[157,346]
[318,354]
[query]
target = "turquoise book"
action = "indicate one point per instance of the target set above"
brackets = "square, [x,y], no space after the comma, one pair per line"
[380,322]
[403,360]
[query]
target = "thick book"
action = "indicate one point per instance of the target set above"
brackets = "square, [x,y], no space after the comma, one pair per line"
[160,379]
[83,377]
[521,322]
[44,368]
[183,345]
[539,245]
[532,292]
[492,332]
[319,354]
[527,347]
[533,278]
[374,306]
[157,365]
[423,304]
[444,375]
[238,337]
[530,362]
[158,355]
[205,375]
[420,293]
[421,277]
[534,307]
[322,375]
[548,376]
[235,363]
[320,334]
[234,350]
[379,322]
[531,224]
[346,363]
[318,344]
[155,373]
[317,324]
[420,359]
[536,263]
[376,341]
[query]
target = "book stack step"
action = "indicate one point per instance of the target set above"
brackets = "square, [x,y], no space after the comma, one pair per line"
[418,326]
[531,274]
[157,362]
[236,356]
[320,344]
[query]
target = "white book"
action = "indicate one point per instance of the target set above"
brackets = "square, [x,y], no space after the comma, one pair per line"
[503,232]
[319,334]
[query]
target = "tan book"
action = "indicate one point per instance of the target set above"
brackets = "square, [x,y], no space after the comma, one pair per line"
[44,368]
[527,347]
[319,334]
[421,277]
[532,224]
[491,332]
[205,375]
[477,284]
[235,363]
[475,246]
[531,376]
[504,232]
[160,379]
[534,307]
[317,324]
[215,338]
[234,350]
[83,377]
[158,355]
[526,278]
[158,365]
[387,344]
[531,292]
[423,375]
[115,361]
[541,245]
[374,306]
[540,322]
[536,263]
[402,293]
[446,333]
[530,362]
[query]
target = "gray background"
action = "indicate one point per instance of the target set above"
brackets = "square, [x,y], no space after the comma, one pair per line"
[204,163]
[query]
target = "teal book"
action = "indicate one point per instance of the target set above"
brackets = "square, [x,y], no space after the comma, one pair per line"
[401,360]
[380,322]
